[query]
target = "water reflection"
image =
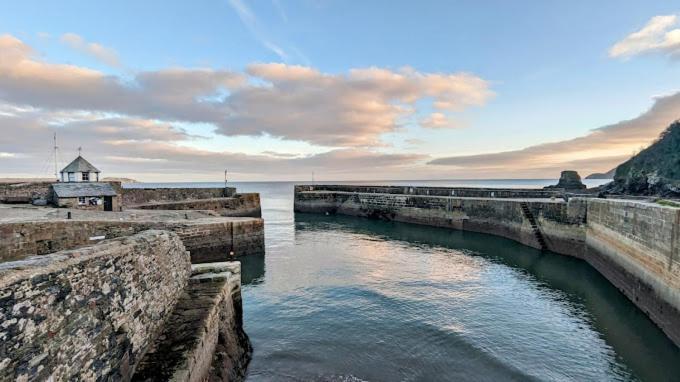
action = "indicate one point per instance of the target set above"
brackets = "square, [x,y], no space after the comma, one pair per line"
[627,332]
[348,299]
[252,269]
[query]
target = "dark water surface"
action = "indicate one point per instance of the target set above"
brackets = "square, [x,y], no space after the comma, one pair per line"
[347,299]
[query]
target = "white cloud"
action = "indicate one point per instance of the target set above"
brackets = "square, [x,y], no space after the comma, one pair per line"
[660,35]
[436,121]
[284,101]
[101,53]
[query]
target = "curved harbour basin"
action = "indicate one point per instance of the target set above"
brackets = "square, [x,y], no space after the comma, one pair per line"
[348,299]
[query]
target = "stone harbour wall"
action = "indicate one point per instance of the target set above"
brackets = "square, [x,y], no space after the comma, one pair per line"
[563,222]
[23,192]
[138,196]
[209,239]
[89,313]
[643,241]
[471,192]
[203,339]
[215,240]
[238,205]
[635,245]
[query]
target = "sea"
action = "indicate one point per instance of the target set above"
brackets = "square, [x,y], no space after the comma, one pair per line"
[338,298]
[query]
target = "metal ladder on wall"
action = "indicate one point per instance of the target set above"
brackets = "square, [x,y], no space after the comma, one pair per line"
[534,226]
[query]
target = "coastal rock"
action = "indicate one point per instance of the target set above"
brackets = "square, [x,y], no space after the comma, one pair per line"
[569,180]
[653,171]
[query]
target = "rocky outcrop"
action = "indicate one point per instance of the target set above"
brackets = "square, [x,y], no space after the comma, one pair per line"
[569,180]
[653,171]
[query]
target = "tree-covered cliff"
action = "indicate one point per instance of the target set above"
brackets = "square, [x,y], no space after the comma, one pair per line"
[655,170]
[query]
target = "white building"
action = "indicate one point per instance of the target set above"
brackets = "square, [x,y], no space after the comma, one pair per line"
[80,170]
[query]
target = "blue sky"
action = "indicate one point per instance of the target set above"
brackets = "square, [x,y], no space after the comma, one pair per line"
[547,64]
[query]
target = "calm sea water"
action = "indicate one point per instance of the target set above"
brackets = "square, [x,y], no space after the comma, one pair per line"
[348,299]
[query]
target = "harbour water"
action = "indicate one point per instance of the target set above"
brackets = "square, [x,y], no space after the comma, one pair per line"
[347,299]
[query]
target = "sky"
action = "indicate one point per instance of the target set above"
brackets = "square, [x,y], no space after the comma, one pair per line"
[348,90]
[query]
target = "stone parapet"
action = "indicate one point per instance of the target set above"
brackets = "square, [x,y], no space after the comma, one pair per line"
[24,192]
[89,313]
[237,205]
[138,196]
[207,239]
[470,192]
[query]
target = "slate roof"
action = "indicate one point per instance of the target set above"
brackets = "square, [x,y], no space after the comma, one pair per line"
[80,165]
[74,190]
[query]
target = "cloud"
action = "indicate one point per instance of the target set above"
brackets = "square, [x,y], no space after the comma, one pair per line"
[291,102]
[659,36]
[600,150]
[352,109]
[152,150]
[436,121]
[103,54]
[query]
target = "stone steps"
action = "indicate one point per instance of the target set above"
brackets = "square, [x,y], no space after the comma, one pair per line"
[203,338]
[534,225]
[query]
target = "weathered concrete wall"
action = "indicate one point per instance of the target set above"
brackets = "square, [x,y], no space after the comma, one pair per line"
[467,192]
[91,313]
[643,243]
[238,205]
[23,192]
[635,245]
[209,239]
[203,338]
[563,222]
[212,240]
[138,196]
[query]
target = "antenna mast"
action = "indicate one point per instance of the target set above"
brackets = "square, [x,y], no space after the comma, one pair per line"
[55,157]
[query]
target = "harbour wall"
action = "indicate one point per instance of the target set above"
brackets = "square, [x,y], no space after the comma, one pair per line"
[139,196]
[131,308]
[208,239]
[90,313]
[203,339]
[438,191]
[24,192]
[635,245]
[238,205]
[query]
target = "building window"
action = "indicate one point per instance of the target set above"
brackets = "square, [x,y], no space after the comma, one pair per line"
[81,200]
[86,177]
[71,177]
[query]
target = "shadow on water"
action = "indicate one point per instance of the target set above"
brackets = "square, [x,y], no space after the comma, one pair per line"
[252,269]
[637,341]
